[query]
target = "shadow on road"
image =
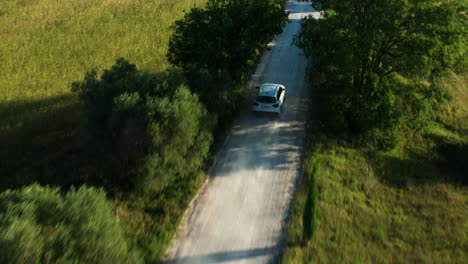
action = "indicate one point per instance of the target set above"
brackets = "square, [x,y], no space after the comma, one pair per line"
[264,141]
[226,256]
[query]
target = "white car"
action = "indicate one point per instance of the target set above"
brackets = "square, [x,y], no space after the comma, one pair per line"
[270,98]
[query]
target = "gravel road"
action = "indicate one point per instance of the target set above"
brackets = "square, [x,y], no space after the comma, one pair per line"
[240,214]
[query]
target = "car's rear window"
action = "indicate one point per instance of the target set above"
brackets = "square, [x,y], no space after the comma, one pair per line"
[266,99]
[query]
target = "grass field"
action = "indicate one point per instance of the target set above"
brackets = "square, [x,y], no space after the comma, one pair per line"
[45,46]
[48,44]
[408,205]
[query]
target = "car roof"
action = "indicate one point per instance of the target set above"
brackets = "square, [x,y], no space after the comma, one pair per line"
[268,89]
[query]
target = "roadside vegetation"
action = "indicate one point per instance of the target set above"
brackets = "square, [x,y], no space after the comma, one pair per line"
[136,128]
[389,135]
[39,225]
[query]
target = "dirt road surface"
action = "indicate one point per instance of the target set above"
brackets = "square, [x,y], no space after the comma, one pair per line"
[240,215]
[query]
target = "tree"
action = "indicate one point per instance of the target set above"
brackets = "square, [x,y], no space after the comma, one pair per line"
[38,225]
[225,35]
[372,56]
[216,46]
[147,128]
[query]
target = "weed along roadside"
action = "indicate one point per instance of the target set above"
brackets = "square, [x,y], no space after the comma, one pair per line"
[139,131]
[391,187]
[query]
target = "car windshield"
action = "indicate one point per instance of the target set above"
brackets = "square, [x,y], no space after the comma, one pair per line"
[266,99]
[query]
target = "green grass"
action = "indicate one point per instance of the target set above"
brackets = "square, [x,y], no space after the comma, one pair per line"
[408,205]
[152,222]
[48,44]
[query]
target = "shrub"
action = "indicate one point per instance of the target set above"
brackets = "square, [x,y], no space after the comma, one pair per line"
[309,218]
[38,225]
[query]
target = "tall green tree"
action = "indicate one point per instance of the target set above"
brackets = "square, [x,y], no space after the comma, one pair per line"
[216,47]
[376,61]
[225,35]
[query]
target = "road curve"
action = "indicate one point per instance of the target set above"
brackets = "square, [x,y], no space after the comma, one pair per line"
[240,215]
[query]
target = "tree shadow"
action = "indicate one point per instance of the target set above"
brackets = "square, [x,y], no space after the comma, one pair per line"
[262,141]
[227,256]
[38,143]
[447,162]
[453,158]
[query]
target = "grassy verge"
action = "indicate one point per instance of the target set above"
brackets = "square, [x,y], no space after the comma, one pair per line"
[408,205]
[151,225]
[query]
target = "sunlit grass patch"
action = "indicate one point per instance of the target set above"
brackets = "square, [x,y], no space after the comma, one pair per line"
[48,44]
[361,218]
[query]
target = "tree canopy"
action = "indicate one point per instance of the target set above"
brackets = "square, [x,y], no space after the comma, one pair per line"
[39,225]
[376,61]
[225,35]
[151,128]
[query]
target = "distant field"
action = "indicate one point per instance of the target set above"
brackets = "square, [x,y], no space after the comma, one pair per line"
[47,44]
[408,205]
